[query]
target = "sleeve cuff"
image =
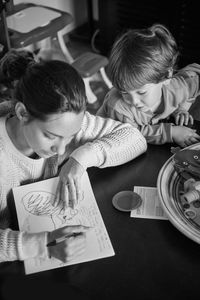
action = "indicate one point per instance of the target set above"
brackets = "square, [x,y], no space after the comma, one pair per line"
[86,156]
[33,245]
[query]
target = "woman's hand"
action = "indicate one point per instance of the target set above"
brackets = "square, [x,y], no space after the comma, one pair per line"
[183,117]
[71,246]
[184,136]
[69,191]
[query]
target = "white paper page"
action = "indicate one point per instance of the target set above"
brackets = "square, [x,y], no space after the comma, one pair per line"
[151,207]
[35,213]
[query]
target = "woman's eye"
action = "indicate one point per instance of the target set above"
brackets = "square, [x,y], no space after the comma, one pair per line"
[50,137]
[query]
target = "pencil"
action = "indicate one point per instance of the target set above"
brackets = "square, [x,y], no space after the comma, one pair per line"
[61,239]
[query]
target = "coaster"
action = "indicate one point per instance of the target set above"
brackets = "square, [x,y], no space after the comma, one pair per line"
[126,201]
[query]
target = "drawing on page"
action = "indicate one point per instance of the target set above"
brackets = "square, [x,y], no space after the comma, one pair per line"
[36,213]
[39,203]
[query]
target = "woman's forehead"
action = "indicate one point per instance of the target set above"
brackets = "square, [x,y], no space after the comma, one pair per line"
[61,123]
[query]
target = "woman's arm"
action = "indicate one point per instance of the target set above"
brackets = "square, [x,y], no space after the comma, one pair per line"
[100,143]
[104,142]
[16,245]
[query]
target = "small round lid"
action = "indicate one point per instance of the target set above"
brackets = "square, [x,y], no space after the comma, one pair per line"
[126,200]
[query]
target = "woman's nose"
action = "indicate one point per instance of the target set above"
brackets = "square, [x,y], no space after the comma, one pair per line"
[59,148]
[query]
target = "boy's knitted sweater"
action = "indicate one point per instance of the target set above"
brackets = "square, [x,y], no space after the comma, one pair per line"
[178,93]
[100,142]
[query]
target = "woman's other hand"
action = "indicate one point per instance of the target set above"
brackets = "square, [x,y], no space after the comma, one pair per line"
[69,191]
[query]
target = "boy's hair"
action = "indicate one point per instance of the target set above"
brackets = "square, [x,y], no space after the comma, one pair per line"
[43,87]
[141,56]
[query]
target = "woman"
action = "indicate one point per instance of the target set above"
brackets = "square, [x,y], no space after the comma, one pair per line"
[47,133]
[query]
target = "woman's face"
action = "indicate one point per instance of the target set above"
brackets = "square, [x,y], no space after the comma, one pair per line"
[50,137]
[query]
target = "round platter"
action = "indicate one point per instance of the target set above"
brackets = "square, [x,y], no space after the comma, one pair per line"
[170,186]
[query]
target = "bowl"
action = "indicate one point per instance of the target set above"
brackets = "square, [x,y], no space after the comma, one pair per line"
[170,188]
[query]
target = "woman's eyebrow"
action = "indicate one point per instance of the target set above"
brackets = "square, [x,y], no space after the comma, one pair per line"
[60,135]
[52,133]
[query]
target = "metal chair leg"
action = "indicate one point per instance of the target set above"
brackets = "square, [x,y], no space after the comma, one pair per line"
[105,78]
[64,47]
[89,93]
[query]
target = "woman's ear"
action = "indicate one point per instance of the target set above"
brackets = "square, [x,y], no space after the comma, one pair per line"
[21,112]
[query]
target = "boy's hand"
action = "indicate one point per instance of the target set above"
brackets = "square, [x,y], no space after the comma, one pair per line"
[183,117]
[69,191]
[184,136]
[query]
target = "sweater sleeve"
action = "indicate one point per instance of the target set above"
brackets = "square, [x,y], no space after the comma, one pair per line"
[158,134]
[104,142]
[16,245]
[185,86]
[11,245]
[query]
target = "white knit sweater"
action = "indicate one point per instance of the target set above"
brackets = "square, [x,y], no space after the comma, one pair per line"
[100,142]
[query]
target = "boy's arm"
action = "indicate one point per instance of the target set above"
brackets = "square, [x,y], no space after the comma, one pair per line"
[158,134]
[154,134]
[185,86]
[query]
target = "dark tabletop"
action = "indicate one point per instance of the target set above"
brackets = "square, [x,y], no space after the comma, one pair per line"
[153,260]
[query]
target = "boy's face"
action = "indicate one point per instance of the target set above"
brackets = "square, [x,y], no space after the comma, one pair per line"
[50,137]
[146,97]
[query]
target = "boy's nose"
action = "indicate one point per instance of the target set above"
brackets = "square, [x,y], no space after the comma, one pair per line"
[135,101]
[133,98]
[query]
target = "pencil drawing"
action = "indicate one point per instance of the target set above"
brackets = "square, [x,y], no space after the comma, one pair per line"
[39,203]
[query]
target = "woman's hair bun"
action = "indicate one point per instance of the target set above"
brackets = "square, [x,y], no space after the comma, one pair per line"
[15,63]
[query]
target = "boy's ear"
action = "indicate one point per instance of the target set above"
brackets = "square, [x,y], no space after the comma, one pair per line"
[21,112]
[170,73]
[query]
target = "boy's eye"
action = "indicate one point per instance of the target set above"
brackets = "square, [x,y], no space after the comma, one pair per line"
[48,136]
[141,92]
[123,92]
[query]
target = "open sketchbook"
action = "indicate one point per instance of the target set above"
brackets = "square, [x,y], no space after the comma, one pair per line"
[35,213]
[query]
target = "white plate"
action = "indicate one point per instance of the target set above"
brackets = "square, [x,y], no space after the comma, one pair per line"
[169,185]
